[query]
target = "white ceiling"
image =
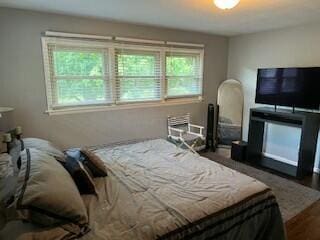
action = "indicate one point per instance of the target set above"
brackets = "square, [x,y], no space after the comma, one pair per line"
[198,15]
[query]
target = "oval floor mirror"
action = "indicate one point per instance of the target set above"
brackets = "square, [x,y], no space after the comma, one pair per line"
[230,102]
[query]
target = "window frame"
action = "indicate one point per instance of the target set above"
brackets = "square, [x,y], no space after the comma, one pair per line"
[110,47]
[176,53]
[105,77]
[117,77]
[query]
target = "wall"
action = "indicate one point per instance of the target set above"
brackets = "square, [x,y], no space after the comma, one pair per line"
[22,84]
[290,47]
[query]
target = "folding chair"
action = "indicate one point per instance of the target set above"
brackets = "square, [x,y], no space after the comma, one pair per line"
[183,133]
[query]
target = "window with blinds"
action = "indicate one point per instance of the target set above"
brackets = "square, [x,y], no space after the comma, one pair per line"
[137,75]
[87,73]
[78,76]
[183,74]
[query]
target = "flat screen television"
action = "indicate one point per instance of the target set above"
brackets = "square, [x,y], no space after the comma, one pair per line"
[292,87]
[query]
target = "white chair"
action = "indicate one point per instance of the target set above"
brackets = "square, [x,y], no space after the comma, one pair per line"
[183,133]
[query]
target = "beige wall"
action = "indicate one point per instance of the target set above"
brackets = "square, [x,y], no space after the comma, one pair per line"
[22,83]
[290,47]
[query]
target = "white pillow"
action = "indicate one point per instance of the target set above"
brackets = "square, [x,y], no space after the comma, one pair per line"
[44,146]
[8,180]
[6,167]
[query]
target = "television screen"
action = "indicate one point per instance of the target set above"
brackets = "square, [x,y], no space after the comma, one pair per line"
[293,87]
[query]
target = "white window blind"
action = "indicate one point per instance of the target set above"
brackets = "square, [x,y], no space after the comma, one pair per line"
[137,75]
[83,74]
[183,74]
[78,76]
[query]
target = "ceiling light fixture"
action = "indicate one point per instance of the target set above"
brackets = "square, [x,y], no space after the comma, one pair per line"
[226,4]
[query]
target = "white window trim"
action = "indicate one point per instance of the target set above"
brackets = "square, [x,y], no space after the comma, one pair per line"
[111,46]
[156,53]
[85,109]
[201,52]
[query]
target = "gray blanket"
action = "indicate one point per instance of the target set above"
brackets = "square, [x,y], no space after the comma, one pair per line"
[157,191]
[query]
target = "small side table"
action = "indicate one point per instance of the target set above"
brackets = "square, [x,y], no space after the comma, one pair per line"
[239,150]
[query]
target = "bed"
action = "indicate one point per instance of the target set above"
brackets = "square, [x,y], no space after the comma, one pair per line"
[155,190]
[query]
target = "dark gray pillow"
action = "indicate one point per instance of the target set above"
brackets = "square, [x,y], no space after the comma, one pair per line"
[80,175]
[94,163]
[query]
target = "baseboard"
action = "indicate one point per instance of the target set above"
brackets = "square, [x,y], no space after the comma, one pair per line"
[316,170]
[288,161]
[280,159]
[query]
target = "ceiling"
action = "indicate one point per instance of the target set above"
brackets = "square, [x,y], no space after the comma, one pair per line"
[197,15]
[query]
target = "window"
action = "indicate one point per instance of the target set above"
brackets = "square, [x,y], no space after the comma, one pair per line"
[78,76]
[87,73]
[137,75]
[183,74]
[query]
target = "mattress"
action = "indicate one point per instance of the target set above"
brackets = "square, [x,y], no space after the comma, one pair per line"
[157,191]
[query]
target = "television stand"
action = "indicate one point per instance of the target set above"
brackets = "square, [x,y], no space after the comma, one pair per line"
[308,122]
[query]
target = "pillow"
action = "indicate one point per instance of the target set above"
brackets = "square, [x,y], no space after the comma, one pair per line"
[80,175]
[47,195]
[6,168]
[76,154]
[7,180]
[15,147]
[45,146]
[94,163]
[3,220]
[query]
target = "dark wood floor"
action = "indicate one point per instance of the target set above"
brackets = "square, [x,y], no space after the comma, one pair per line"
[306,225]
